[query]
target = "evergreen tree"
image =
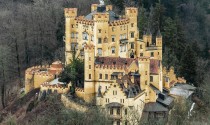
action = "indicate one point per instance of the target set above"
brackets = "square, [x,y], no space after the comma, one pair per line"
[142,21]
[73,72]
[188,65]
[206,51]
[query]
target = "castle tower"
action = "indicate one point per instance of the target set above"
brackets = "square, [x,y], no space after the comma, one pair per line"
[159,39]
[89,86]
[101,28]
[144,71]
[132,14]
[147,38]
[70,15]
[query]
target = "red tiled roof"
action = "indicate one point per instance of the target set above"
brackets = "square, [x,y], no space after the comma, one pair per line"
[114,61]
[154,65]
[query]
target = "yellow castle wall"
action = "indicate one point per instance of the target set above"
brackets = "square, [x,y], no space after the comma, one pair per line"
[60,90]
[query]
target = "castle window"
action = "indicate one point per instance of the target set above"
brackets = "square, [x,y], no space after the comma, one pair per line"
[85,36]
[72,26]
[118,122]
[158,53]
[113,29]
[118,111]
[132,34]
[132,45]
[141,54]
[124,48]
[89,66]
[121,48]
[126,122]
[167,79]
[121,36]
[89,76]
[151,78]
[124,36]
[146,82]
[113,38]
[111,111]
[152,54]
[72,35]
[113,50]
[126,111]
[89,58]
[76,34]
[132,24]
[145,72]
[100,76]
[99,51]
[106,76]
[92,38]
[73,46]
[99,30]
[99,40]
[140,46]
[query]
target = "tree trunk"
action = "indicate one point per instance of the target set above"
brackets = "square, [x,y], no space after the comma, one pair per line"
[18,61]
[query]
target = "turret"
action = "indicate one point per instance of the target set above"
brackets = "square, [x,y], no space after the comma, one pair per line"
[89,86]
[159,39]
[147,38]
[132,13]
[94,7]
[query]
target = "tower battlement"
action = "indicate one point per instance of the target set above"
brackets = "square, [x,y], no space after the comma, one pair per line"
[70,12]
[101,17]
[131,11]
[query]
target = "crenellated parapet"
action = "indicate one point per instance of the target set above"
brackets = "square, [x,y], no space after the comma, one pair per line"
[82,20]
[37,75]
[111,67]
[120,22]
[70,12]
[131,11]
[101,17]
[61,89]
[77,89]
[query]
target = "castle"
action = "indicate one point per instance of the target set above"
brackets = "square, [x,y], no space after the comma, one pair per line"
[123,73]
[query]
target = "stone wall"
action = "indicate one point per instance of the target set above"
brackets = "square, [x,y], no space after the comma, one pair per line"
[68,103]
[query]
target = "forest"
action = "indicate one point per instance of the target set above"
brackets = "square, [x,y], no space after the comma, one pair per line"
[31,33]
